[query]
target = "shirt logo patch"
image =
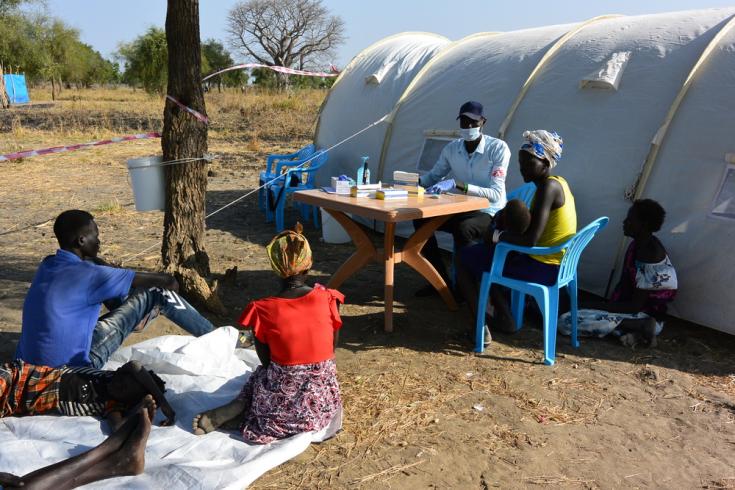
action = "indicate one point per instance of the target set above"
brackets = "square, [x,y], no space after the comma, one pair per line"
[498,172]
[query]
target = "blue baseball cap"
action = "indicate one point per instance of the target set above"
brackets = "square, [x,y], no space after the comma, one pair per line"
[471,109]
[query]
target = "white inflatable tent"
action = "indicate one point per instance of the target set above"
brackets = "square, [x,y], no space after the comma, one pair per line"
[646,107]
[366,90]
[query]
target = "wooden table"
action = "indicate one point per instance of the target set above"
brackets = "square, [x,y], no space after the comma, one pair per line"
[391,212]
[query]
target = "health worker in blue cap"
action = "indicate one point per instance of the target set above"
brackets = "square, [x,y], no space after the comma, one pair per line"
[475,164]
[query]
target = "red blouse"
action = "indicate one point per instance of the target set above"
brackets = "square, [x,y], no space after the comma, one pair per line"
[297,330]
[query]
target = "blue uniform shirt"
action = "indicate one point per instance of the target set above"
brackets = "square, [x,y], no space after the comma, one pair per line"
[484,170]
[62,308]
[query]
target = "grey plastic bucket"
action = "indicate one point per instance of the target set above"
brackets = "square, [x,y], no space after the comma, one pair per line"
[148,183]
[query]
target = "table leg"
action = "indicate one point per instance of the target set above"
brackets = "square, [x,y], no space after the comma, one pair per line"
[389,259]
[411,255]
[364,254]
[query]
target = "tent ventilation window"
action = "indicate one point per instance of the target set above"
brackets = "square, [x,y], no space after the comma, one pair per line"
[379,75]
[723,206]
[434,142]
[608,77]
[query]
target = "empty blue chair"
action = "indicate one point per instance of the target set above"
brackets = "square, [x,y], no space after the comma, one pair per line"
[273,168]
[284,185]
[547,297]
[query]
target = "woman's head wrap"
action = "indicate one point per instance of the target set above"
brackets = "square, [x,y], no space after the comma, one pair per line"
[543,144]
[289,252]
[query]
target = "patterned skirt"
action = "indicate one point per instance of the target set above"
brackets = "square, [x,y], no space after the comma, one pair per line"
[288,400]
[26,389]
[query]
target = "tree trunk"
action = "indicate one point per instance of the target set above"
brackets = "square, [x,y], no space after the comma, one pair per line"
[53,89]
[184,136]
[282,81]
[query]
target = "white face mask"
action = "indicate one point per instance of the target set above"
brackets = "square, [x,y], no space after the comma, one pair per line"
[470,134]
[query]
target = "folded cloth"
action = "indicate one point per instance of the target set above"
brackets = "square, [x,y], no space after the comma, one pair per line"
[598,323]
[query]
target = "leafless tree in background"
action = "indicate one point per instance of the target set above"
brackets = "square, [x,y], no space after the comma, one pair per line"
[292,33]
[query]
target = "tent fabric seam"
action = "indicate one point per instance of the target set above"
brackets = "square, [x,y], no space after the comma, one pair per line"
[542,62]
[354,60]
[410,87]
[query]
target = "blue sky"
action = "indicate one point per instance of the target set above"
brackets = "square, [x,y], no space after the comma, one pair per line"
[105,24]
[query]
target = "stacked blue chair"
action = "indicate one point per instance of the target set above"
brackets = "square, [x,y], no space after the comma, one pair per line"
[547,297]
[285,185]
[274,166]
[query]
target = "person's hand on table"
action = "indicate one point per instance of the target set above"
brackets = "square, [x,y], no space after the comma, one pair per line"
[441,187]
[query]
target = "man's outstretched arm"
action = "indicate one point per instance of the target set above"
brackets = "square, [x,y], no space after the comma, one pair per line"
[155,280]
[145,279]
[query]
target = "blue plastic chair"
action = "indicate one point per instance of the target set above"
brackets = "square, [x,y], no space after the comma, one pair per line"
[273,168]
[282,187]
[525,193]
[547,297]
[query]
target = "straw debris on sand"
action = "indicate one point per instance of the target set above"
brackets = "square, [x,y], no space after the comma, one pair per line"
[604,416]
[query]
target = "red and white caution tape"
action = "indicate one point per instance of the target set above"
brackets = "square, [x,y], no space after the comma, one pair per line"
[80,146]
[191,111]
[280,69]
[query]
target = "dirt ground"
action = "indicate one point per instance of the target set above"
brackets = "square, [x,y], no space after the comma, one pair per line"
[422,411]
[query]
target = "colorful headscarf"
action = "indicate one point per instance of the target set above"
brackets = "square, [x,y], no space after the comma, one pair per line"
[543,144]
[289,252]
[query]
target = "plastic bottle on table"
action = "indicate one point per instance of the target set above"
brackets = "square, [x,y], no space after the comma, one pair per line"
[363,172]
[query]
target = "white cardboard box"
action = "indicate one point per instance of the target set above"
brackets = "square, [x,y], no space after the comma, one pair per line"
[341,186]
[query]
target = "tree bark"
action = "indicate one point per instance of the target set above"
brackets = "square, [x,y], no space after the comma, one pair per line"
[184,136]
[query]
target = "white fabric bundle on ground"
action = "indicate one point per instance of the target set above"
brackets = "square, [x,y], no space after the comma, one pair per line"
[200,374]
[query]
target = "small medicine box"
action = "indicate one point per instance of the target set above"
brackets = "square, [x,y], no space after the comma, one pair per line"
[341,186]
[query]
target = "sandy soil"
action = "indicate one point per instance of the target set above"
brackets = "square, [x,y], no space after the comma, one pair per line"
[422,411]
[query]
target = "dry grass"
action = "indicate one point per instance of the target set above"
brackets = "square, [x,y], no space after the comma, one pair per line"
[397,409]
[558,481]
[722,483]
[252,117]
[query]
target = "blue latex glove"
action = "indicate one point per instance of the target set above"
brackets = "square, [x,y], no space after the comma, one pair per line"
[441,187]
[343,177]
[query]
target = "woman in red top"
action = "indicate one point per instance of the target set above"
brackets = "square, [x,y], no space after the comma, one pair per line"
[295,389]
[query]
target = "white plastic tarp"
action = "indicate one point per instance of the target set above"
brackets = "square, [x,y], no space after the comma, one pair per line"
[200,374]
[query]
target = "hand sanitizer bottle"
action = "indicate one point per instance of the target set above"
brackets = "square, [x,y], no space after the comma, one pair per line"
[363,172]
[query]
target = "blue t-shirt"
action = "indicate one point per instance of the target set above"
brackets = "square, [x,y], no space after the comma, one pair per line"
[62,308]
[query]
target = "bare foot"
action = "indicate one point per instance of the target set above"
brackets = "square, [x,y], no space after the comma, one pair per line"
[202,424]
[130,457]
[224,416]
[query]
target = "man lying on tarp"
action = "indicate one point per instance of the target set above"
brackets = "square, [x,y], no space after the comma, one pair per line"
[26,389]
[61,323]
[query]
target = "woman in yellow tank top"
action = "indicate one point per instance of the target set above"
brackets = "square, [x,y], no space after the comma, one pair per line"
[553,220]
